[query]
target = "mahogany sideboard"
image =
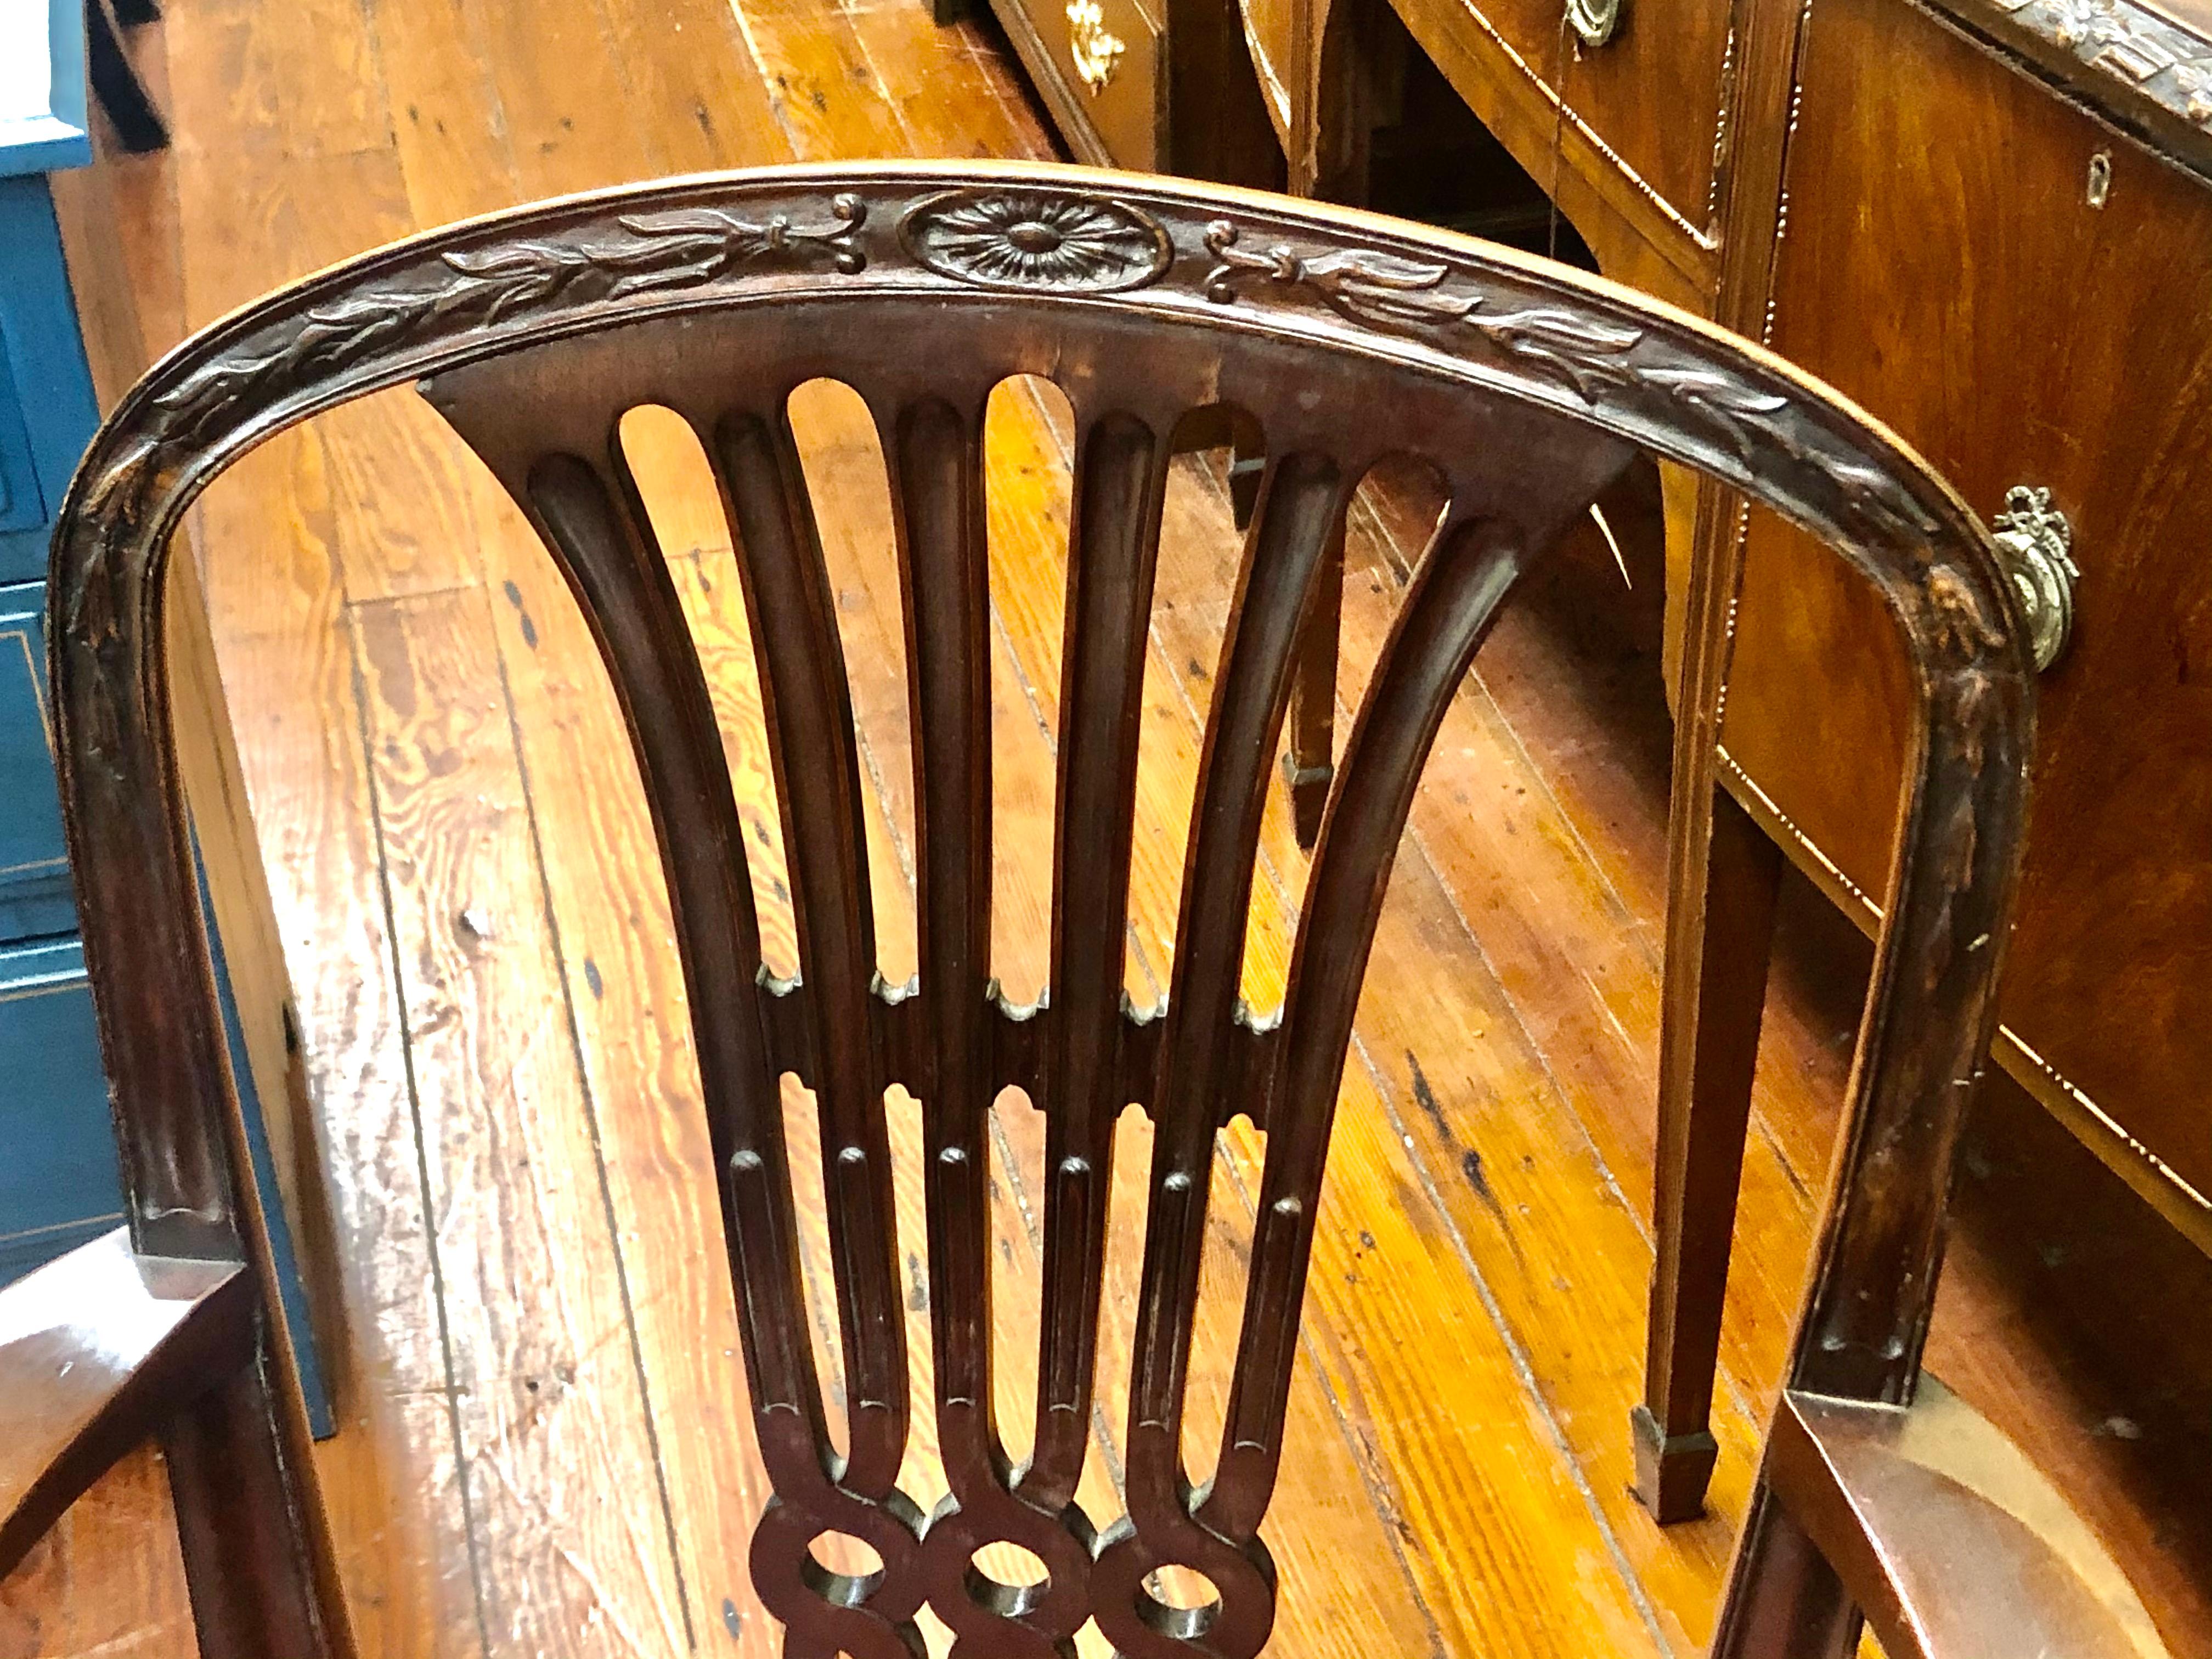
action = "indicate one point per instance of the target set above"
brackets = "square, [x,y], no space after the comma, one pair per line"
[1990,223]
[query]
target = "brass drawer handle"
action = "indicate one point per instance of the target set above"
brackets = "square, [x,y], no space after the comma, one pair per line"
[1594,21]
[2037,545]
[1094,51]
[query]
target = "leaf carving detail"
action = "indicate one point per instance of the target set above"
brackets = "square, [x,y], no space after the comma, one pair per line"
[1586,354]
[644,253]
[1593,357]
[1580,354]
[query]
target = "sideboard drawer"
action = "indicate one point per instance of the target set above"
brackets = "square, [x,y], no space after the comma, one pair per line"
[59,1180]
[35,879]
[2024,304]
[1645,105]
[1104,59]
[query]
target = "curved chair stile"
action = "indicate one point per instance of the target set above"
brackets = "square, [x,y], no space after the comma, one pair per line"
[1348,337]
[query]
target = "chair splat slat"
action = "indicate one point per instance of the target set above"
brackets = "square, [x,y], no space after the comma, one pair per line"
[1120,479]
[1201,1080]
[1301,503]
[937,463]
[934,446]
[808,702]
[600,536]
[1455,595]
[597,530]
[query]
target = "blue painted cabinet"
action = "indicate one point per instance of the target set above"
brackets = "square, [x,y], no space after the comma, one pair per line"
[57,1170]
[35,880]
[57,1180]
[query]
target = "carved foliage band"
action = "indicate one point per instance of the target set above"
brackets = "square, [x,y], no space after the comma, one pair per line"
[1022,236]
[630,255]
[1601,363]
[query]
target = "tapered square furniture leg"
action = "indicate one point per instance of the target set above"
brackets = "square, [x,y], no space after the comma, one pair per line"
[1716,989]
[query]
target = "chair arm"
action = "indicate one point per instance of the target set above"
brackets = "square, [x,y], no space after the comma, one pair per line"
[97,1350]
[1952,1544]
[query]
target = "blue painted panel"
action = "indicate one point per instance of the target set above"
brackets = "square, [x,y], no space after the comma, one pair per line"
[42,86]
[35,879]
[22,503]
[20,1253]
[45,358]
[57,1150]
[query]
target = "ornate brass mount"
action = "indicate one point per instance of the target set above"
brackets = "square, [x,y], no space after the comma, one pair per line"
[1093,51]
[2036,544]
[1594,21]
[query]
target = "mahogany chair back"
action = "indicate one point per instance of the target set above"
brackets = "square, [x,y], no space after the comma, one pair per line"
[1348,338]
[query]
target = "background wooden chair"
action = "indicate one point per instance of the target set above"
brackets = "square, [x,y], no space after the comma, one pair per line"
[1347,337]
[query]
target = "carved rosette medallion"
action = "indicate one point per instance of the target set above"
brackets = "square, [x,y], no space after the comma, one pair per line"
[1037,240]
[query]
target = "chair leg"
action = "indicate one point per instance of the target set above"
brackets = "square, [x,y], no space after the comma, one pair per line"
[1309,762]
[255,1560]
[1715,991]
[1783,1600]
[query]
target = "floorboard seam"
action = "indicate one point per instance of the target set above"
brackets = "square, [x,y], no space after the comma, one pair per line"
[1385,1513]
[359,682]
[1523,1366]
[589,1092]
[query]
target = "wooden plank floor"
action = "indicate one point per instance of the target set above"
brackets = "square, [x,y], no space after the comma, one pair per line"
[543,1448]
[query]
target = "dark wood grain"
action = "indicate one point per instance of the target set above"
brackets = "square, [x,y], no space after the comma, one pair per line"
[1911,1502]
[95,1356]
[2113,914]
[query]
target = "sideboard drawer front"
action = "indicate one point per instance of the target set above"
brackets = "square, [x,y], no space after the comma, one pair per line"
[58,1179]
[34,883]
[1108,54]
[1650,98]
[2017,333]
